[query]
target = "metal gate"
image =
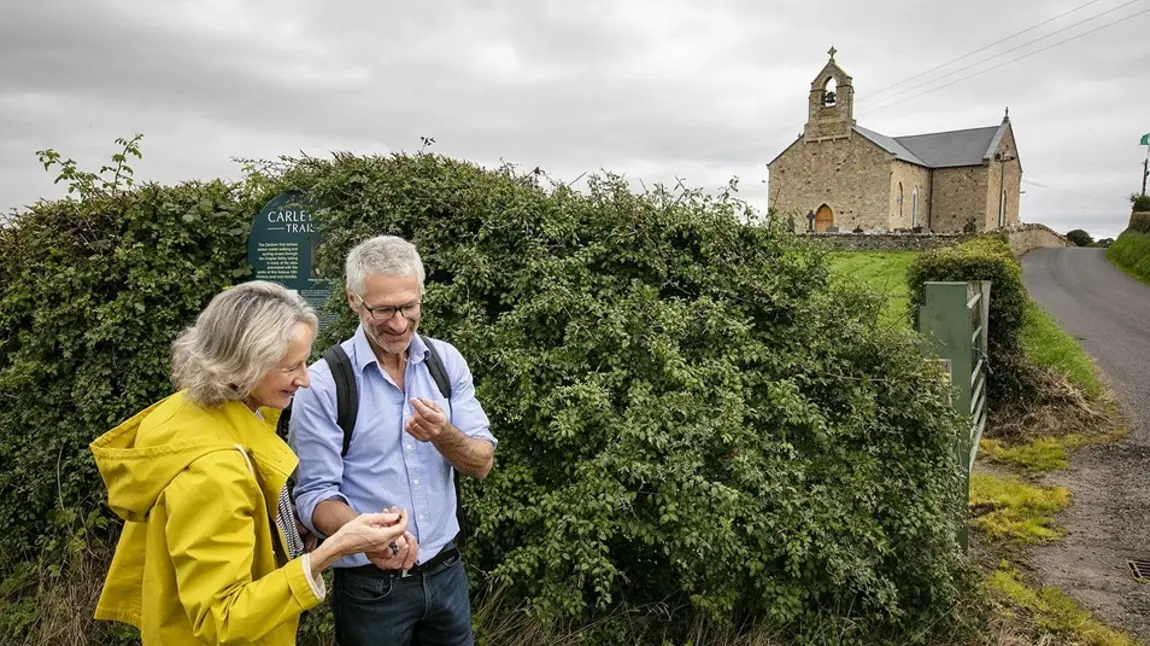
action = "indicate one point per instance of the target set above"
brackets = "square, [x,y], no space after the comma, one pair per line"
[955,319]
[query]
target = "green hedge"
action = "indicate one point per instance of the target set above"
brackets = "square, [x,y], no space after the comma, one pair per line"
[1131,251]
[986,257]
[92,294]
[983,258]
[1139,202]
[688,411]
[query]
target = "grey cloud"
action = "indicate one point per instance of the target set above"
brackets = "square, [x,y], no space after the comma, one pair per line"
[654,90]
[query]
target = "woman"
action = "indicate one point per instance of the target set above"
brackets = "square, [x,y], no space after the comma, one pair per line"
[210,551]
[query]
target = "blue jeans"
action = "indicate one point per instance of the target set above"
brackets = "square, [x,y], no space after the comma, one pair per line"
[426,609]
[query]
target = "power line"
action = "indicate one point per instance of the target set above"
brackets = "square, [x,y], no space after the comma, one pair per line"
[1013,49]
[982,49]
[1013,60]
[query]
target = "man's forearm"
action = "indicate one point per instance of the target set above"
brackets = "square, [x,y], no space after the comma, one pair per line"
[331,514]
[475,457]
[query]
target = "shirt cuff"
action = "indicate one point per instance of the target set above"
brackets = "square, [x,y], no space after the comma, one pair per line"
[317,585]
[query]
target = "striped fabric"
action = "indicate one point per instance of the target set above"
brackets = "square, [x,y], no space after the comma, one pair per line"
[285,519]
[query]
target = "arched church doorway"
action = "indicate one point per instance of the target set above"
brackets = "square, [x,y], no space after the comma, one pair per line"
[824,218]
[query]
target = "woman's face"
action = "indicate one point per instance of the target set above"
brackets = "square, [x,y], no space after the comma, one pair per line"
[278,386]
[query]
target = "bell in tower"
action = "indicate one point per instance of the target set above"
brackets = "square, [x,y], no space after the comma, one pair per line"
[831,110]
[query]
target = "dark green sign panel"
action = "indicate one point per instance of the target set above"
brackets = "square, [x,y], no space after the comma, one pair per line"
[282,248]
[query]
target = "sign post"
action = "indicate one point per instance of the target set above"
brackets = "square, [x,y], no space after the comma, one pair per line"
[1145,169]
[282,248]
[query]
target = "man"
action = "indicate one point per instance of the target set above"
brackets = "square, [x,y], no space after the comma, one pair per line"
[406,440]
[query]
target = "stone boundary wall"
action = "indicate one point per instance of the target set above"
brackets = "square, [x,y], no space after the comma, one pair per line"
[1026,237]
[1022,238]
[888,241]
[1139,221]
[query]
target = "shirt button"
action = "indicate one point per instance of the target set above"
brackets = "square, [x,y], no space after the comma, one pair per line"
[416,481]
[409,447]
[421,516]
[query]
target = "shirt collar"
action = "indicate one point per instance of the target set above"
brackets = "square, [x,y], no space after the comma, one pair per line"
[417,351]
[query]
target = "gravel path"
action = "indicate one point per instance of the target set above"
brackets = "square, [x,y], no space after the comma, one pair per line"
[1108,520]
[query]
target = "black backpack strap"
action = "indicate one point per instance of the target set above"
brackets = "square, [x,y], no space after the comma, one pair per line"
[346,395]
[439,375]
[435,367]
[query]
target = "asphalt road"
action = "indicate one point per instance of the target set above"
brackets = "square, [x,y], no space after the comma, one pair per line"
[1108,311]
[1108,520]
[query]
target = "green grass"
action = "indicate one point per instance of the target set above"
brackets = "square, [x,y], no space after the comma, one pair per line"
[882,271]
[1050,346]
[1008,508]
[1131,253]
[1039,456]
[1053,611]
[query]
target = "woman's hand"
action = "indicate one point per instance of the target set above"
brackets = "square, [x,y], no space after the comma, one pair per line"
[370,532]
[364,533]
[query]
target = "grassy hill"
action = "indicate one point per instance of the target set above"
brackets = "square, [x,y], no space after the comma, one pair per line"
[1131,253]
[1045,342]
[882,271]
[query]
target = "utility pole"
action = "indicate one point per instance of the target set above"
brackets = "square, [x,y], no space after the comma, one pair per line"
[1145,170]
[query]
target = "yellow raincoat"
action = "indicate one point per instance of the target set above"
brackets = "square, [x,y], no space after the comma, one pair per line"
[201,559]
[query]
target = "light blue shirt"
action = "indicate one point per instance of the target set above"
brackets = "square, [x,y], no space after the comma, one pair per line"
[384,465]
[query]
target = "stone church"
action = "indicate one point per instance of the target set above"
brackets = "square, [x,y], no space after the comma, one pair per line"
[839,176]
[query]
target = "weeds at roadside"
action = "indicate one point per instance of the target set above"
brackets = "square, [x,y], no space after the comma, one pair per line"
[1054,615]
[1007,508]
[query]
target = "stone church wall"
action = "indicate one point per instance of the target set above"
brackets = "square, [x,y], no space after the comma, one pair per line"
[959,193]
[849,175]
[1010,174]
[911,177]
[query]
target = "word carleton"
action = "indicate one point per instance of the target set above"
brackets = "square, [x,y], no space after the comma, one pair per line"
[294,221]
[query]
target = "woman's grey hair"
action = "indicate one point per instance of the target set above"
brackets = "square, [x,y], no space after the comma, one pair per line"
[383,256]
[241,335]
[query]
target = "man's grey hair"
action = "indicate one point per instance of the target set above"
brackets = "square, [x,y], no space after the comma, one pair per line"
[242,334]
[382,256]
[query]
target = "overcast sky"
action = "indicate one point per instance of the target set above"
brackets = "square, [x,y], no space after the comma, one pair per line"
[650,89]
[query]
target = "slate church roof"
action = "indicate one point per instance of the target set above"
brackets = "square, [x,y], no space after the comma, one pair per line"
[970,147]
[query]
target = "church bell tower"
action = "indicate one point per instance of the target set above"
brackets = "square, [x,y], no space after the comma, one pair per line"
[831,110]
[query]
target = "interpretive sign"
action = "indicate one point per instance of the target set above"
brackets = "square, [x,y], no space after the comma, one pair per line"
[282,248]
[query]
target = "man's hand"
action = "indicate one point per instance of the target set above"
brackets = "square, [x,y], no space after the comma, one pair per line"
[310,540]
[427,422]
[400,557]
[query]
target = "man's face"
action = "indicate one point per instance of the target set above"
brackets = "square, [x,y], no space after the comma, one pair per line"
[389,331]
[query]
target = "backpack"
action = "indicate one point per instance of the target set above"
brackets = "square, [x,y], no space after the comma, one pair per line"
[347,407]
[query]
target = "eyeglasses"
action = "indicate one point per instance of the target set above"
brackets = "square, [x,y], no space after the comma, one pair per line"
[387,312]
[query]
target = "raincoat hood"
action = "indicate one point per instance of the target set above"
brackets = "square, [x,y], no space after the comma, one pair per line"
[139,458]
